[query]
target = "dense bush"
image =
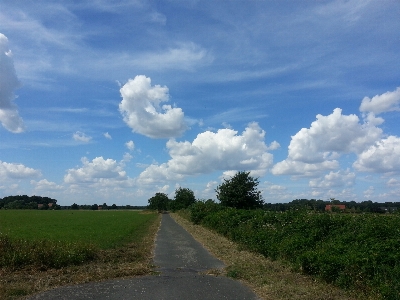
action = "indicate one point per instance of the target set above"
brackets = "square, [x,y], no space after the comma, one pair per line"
[200,209]
[359,252]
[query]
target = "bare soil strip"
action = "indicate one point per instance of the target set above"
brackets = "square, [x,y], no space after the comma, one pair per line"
[270,280]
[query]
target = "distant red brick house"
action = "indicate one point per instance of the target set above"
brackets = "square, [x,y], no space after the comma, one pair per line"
[40,205]
[328,207]
[50,204]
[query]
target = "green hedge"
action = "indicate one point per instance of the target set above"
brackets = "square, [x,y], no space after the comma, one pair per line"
[360,252]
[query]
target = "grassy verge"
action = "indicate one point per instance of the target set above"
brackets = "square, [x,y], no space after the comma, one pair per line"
[269,279]
[130,255]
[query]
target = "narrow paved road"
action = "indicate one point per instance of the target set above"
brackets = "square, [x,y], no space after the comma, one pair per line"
[180,260]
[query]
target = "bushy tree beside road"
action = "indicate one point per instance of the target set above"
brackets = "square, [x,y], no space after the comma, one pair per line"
[240,192]
[158,202]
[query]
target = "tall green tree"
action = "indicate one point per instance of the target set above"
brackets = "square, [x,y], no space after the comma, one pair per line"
[240,192]
[159,201]
[184,197]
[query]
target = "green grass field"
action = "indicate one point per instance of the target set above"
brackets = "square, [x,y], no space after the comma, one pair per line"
[105,229]
[60,238]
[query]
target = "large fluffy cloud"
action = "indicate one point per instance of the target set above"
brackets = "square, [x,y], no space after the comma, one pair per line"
[389,101]
[317,148]
[381,157]
[211,151]
[16,171]
[95,171]
[140,107]
[9,116]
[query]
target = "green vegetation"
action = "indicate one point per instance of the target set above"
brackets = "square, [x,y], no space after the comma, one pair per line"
[184,197]
[159,202]
[272,280]
[240,191]
[28,202]
[55,239]
[353,251]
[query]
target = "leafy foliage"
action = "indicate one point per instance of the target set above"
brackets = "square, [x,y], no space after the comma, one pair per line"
[158,202]
[352,251]
[184,197]
[240,192]
[27,202]
[200,209]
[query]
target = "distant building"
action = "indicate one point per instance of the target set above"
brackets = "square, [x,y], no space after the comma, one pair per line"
[100,207]
[40,205]
[328,207]
[50,204]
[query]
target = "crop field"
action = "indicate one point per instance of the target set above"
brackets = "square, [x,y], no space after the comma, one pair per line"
[35,242]
[104,229]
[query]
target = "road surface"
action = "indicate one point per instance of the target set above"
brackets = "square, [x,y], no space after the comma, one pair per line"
[181,262]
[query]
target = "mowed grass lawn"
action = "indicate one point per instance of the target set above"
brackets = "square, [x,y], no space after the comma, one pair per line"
[103,229]
[40,250]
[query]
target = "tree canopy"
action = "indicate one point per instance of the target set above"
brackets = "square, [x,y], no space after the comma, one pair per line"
[159,201]
[184,197]
[240,192]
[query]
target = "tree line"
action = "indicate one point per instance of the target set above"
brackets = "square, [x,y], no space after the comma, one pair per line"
[241,192]
[28,202]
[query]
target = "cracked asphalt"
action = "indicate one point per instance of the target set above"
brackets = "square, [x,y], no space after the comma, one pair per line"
[181,262]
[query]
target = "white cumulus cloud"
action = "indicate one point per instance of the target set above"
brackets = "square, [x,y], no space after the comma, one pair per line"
[317,148]
[9,116]
[389,101]
[44,184]
[211,151]
[93,171]
[381,157]
[16,171]
[107,136]
[141,111]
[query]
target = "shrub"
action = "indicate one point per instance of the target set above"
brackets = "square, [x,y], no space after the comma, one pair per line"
[200,209]
[360,252]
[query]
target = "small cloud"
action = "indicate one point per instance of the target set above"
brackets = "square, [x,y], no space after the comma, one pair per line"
[389,101]
[274,145]
[130,145]
[44,184]
[107,136]
[81,137]
[141,109]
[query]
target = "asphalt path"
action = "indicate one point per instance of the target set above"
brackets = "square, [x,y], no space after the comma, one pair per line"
[181,262]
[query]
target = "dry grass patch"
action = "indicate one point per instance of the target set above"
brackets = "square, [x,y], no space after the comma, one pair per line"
[131,260]
[269,279]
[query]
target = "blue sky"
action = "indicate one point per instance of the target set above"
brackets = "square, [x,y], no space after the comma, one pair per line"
[113,101]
